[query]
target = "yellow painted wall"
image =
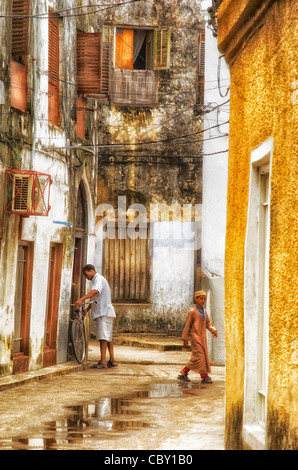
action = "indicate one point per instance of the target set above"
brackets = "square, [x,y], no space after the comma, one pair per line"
[264,65]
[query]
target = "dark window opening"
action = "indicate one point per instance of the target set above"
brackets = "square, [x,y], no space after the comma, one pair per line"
[133,49]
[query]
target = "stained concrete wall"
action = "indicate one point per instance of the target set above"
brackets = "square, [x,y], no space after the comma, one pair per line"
[260,45]
[26,142]
[168,172]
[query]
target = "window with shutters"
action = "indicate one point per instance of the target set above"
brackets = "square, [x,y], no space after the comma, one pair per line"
[138,53]
[133,49]
[19,52]
[121,63]
[201,68]
[141,49]
[53,67]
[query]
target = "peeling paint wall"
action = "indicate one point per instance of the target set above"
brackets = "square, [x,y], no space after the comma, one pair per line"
[29,142]
[167,171]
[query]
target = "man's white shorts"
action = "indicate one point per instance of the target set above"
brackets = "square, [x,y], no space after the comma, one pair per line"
[104,328]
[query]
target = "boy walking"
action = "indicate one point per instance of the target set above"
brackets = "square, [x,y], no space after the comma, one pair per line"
[196,324]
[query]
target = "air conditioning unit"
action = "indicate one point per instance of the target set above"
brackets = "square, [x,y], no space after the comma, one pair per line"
[22,193]
[27,193]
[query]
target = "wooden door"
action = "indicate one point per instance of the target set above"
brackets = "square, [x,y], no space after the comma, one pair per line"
[23,295]
[51,320]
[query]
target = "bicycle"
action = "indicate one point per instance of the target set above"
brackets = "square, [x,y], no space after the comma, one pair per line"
[78,335]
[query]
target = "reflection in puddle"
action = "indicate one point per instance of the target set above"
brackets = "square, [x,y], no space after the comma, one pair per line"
[101,419]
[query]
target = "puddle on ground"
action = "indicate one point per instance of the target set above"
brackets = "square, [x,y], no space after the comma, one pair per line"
[101,419]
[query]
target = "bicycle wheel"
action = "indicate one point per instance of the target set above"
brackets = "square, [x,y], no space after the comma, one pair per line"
[78,340]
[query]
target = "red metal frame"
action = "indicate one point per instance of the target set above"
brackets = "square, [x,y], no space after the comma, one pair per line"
[31,205]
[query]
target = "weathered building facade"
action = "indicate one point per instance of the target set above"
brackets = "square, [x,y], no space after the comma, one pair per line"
[49,189]
[260,42]
[150,160]
[100,154]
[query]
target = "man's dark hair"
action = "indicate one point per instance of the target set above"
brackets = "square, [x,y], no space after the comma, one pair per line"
[89,267]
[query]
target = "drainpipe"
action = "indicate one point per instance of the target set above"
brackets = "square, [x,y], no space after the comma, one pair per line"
[35,24]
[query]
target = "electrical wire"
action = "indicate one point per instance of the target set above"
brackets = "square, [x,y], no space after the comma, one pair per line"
[90,109]
[152,128]
[223,95]
[129,144]
[149,159]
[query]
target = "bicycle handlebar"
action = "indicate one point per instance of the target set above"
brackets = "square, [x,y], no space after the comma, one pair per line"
[83,304]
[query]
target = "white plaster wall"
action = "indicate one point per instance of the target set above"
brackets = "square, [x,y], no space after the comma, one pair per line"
[215,177]
[43,230]
[215,167]
[172,267]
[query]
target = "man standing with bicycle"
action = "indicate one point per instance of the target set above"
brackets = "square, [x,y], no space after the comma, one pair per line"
[102,311]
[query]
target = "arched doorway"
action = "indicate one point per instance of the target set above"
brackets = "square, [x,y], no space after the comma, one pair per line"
[80,244]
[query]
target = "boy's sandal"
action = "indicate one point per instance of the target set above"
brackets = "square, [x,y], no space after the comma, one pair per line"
[183,377]
[207,380]
[112,364]
[99,365]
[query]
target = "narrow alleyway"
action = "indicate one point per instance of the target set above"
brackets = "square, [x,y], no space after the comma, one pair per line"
[138,406]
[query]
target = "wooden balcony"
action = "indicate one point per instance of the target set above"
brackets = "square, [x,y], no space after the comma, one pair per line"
[133,88]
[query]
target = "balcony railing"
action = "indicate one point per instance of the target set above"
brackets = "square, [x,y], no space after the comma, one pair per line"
[133,87]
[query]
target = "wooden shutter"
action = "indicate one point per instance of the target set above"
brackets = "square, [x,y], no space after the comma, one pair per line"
[54,70]
[106,57]
[124,49]
[18,86]
[54,51]
[106,67]
[126,266]
[80,118]
[88,63]
[20,10]
[161,54]
[108,34]
[201,55]
[201,68]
